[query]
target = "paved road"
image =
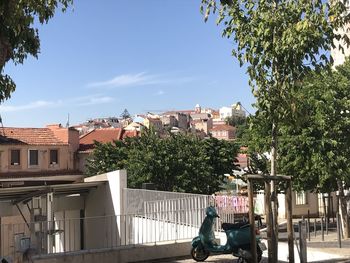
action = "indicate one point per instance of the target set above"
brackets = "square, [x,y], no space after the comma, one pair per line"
[318,251]
[231,259]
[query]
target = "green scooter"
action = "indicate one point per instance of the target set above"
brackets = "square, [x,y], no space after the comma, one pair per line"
[238,240]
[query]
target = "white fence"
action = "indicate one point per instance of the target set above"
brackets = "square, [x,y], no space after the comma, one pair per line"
[140,201]
[151,217]
[98,232]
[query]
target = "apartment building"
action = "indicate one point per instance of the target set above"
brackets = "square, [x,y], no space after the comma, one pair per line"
[154,123]
[236,110]
[223,132]
[26,152]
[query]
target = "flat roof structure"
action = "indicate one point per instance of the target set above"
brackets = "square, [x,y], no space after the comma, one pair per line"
[26,193]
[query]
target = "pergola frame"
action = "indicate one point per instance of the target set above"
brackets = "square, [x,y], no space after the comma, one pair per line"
[270,234]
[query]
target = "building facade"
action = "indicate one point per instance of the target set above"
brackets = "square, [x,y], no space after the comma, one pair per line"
[30,150]
[236,110]
[223,132]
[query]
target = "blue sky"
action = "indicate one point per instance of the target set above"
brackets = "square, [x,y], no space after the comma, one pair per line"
[105,56]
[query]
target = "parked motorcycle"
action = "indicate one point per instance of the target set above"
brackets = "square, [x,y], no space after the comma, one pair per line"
[238,240]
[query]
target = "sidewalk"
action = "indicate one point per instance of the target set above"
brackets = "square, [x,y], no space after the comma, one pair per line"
[318,250]
[329,247]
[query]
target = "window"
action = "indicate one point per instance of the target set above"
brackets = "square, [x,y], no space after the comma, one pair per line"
[33,157]
[15,157]
[300,198]
[53,156]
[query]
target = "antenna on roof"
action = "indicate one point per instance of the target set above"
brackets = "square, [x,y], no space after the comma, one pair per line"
[67,123]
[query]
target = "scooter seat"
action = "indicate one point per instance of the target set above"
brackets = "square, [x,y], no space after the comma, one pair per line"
[230,226]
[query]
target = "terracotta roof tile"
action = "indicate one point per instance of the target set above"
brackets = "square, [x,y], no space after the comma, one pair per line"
[31,136]
[129,134]
[86,141]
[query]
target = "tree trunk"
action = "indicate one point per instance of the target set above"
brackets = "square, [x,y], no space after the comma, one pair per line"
[324,207]
[269,220]
[273,251]
[343,210]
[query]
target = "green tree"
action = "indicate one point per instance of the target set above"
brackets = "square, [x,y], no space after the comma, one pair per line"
[182,163]
[316,145]
[125,114]
[280,41]
[235,120]
[18,35]
[107,157]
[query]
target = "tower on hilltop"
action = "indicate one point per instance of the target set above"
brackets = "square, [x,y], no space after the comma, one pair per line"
[198,109]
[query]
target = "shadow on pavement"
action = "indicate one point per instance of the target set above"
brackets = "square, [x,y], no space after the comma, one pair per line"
[340,260]
[187,259]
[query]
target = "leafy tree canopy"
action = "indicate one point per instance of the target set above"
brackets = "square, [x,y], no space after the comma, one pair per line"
[183,163]
[280,41]
[18,35]
[315,148]
[235,120]
[314,145]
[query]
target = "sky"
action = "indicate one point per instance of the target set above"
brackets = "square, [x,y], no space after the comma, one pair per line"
[100,57]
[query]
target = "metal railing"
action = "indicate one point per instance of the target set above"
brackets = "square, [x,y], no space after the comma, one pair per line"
[75,234]
[141,201]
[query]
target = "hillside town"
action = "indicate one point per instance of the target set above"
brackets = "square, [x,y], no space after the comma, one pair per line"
[60,150]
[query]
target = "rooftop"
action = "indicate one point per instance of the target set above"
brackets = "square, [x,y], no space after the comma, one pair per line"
[86,141]
[31,136]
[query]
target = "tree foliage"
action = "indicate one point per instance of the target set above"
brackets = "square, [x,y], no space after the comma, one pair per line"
[316,147]
[183,163]
[235,120]
[18,34]
[240,123]
[281,41]
[125,114]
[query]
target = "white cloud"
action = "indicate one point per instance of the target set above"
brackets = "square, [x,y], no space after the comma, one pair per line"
[79,101]
[96,100]
[139,79]
[29,106]
[159,93]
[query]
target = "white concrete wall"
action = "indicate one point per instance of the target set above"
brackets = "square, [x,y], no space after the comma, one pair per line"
[311,206]
[62,203]
[106,200]
[68,236]
[297,210]
[121,254]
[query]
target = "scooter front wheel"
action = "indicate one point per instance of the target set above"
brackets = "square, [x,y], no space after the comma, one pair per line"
[199,253]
